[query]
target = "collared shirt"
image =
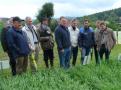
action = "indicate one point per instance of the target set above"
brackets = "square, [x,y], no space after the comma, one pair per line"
[74,36]
[31,35]
[32,29]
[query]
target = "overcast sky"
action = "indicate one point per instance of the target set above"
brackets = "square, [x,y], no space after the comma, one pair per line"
[73,8]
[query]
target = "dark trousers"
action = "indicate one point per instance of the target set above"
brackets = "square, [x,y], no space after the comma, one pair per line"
[48,55]
[103,50]
[96,52]
[21,64]
[74,52]
[12,63]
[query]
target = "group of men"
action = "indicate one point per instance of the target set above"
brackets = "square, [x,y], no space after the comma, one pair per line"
[69,38]
[22,44]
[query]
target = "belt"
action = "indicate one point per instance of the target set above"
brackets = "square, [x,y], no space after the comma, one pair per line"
[35,42]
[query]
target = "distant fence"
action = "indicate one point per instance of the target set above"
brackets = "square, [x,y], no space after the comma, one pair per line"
[4,64]
[118,36]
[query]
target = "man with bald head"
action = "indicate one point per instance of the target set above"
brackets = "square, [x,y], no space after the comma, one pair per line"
[62,37]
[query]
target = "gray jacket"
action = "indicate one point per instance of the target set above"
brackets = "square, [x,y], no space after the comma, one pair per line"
[106,37]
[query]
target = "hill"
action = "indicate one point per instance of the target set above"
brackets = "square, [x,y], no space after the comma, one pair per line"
[112,16]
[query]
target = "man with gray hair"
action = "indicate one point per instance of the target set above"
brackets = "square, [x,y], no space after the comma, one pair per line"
[31,32]
[4,44]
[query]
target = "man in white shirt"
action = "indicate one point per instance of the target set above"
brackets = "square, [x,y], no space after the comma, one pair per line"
[74,32]
[33,42]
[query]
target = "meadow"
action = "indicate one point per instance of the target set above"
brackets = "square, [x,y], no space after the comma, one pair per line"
[89,77]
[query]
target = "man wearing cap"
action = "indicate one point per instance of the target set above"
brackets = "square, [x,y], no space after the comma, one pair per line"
[47,42]
[18,45]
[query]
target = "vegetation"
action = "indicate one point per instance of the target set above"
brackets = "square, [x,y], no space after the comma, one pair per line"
[53,24]
[1,26]
[46,11]
[90,77]
[113,17]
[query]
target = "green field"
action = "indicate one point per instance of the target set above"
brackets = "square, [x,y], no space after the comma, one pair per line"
[2,54]
[90,77]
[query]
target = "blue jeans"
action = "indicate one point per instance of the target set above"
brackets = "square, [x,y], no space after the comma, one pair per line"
[84,52]
[65,58]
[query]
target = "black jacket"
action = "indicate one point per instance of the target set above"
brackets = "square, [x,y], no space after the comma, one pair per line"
[17,42]
[4,38]
[86,38]
[62,37]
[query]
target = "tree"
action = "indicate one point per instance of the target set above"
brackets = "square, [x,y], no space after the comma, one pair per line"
[53,24]
[46,12]
[35,22]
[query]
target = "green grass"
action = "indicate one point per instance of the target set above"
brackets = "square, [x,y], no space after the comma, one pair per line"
[3,55]
[90,77]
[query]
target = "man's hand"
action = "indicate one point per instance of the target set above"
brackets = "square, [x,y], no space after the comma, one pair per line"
[62,50]
[32,49]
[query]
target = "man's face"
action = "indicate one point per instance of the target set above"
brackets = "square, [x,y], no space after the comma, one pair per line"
[74,24]
[17,24]
[45,22]
[63,22]
[11,21]
[86,24]
[102,27]
[98,24]
[29,21]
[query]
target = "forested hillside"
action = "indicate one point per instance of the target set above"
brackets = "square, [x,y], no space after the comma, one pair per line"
[113,18]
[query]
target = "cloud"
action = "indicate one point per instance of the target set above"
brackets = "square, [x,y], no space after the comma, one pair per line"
[22,8]
[117,4]
[15,10]
[71,8]
[87,3]
[84,7]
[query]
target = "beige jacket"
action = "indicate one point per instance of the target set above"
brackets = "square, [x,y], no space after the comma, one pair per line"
[107,37]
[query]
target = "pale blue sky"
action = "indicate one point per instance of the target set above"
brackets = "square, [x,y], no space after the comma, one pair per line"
[23,8]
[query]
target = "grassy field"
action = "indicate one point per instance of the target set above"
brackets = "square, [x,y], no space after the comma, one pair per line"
[2,54]
[90,77]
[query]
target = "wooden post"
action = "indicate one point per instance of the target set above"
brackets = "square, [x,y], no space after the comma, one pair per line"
[1,65]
